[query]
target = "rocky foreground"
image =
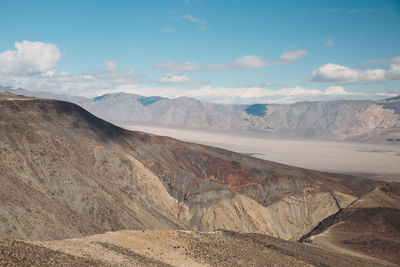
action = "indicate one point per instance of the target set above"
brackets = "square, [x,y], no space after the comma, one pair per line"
[173,248]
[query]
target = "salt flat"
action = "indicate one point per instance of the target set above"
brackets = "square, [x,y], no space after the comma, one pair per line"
[377,161]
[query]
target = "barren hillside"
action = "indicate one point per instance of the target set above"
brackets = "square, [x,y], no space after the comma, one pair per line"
[370,226]
[68,174]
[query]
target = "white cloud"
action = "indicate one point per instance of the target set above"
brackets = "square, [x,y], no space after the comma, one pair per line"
[32,66]
[179,79]
[201,23]
[244,62]
[335,72]
[384,60]
[394,72]
[336,90]
[247,62]
[329,42]
[171,78]
[191,18]
[77,84]
[266,84]
[177,66]
[395,59]
[290,56]
[342,74]
[29,58]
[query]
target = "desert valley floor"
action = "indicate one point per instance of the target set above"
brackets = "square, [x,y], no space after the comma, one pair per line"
[377,161]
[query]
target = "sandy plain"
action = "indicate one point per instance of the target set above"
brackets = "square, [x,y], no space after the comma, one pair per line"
[377,161]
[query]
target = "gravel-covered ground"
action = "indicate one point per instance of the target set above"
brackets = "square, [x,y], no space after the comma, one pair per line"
[20,253]
[172,248]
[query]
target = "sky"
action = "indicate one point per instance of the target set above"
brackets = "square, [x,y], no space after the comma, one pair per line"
[222,51]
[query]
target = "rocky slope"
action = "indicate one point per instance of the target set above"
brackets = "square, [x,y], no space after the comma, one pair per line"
[20,253]
[370,226]
[357,120]
[177,248]
[66,173]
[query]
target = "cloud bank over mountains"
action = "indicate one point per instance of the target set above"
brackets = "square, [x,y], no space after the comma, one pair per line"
[33,66]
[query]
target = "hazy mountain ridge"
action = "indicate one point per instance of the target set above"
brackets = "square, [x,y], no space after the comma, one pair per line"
[357,120]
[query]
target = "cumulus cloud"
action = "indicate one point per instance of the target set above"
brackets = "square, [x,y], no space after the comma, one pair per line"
[244,62]
[29,58]
[342,74]
[337,73]
[179,79]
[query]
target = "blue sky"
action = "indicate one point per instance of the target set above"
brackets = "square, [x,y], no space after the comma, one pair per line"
[220,51]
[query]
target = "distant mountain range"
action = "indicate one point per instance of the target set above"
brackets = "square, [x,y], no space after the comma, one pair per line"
[355,120]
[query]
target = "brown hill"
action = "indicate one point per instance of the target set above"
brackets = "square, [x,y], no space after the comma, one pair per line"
[370,226]
[65,173]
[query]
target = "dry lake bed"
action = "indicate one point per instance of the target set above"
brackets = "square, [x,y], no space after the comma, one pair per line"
[377,161]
